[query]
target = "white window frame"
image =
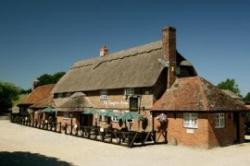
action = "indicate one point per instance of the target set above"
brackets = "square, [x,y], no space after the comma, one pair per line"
[103,95]
[129,92]
[190,120]
[219,120]
[59,95]
[66,115]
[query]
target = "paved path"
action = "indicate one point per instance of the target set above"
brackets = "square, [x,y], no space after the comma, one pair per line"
[20,145]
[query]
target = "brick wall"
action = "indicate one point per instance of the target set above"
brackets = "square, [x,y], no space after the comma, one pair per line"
[205,136]
[225,136]
[117,100]
[67,120]
[135,125]
[178,134]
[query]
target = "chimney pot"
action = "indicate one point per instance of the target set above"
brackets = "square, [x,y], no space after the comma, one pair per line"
[104,51]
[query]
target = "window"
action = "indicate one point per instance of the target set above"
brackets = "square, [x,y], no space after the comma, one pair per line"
[55,95]
[133,104]
[178,70]
[66,114]
[130,120]
[129,91]
[190,120]
[103,118]
[104,95]
[219,120]
[68,94]
[114,118]
[58,95]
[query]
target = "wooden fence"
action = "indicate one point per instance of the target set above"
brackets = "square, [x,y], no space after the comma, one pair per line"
[109,135]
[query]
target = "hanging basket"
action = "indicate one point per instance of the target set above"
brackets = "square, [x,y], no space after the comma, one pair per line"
[162,117]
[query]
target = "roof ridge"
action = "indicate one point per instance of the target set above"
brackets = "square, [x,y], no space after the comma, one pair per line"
[205,101]
[123,57]
[146,48]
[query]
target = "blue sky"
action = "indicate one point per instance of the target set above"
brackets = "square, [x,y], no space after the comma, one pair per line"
[47,36]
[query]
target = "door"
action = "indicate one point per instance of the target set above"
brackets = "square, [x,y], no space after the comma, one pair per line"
[237,126]
[86,120]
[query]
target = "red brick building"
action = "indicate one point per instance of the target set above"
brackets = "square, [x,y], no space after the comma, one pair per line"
[156,82]
[199,114]
[39,98]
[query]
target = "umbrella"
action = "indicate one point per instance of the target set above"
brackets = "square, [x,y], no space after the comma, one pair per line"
[111,113]
[48,110]
[130,116]
[106,112]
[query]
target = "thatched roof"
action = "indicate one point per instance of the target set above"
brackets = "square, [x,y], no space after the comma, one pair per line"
[196,94]
[37,95]
[76,102]
[135,67]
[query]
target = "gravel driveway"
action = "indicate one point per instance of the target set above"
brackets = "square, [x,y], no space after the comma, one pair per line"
[21,145]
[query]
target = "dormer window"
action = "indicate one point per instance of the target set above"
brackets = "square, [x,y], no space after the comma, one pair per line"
[103,95]
[129,92]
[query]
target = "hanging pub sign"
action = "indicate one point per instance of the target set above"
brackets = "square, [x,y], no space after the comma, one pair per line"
[133,103]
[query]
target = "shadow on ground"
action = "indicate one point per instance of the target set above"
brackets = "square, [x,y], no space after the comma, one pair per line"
[29,159]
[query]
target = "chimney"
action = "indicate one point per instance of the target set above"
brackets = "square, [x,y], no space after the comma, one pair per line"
[35,84]
[169,53]
[104,51]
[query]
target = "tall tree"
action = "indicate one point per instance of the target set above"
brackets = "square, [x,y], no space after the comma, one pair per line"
[230,84]
[50,78]
[8,93]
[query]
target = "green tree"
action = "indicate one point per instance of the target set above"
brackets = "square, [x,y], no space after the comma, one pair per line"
[50,78]
[247,97]
[57,76]
[8,94]
[230,84]
[45,79]
[25,91]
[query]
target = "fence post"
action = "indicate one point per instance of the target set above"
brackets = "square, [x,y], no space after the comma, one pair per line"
[60,127]
[111,136]
[76,131]
[102,136]
[71,128]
